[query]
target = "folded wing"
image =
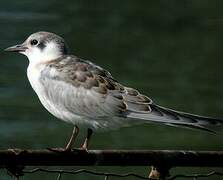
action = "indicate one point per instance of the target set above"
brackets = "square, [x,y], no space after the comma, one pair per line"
[85,89]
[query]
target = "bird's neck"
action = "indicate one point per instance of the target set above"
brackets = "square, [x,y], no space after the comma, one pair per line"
[38,59]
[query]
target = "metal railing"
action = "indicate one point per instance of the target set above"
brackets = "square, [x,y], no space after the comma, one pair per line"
[15,161]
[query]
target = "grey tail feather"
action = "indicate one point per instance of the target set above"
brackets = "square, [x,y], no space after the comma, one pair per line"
[177,118]
[201,120]
[197,122]
[193,127]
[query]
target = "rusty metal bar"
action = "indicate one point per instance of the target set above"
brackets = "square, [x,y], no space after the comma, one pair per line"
[159,158]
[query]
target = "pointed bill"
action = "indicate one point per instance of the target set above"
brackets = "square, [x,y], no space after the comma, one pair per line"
[16,48]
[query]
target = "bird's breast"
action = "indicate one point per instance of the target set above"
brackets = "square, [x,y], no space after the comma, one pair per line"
[33,74]
[44,92]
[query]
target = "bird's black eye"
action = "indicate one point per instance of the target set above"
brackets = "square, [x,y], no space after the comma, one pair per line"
[34,42]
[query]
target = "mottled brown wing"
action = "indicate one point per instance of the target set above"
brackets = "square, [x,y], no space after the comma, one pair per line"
[83,88]
[93,89]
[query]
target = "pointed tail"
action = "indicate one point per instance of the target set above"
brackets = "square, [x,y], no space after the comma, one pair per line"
[175,118]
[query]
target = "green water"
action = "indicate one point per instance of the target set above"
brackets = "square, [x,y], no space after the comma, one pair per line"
[169,50]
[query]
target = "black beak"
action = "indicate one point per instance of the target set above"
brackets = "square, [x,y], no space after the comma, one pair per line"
[16,48]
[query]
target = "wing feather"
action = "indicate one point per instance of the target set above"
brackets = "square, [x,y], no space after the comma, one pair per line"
[82,88]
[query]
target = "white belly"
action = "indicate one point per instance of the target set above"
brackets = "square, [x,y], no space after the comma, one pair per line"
[34,74]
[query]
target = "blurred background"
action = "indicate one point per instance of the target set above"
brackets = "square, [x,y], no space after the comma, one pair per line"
[169,50]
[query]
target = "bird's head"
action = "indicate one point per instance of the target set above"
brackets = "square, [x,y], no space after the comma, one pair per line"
[41,46]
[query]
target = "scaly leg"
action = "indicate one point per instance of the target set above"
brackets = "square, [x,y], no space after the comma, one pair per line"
[86,141]
[70,143]
[72,139]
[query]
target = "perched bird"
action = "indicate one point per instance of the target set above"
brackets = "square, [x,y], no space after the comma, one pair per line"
[82,93]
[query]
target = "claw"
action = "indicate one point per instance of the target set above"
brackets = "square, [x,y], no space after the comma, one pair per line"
[68,148]
[69,145]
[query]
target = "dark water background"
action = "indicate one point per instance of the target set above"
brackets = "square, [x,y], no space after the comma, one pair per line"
[170,50]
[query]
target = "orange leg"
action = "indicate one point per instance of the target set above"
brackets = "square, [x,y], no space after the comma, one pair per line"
[72,139]
[87,139]
[70,143]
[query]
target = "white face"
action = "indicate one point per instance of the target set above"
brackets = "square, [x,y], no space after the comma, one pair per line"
[36,54]
[41,47]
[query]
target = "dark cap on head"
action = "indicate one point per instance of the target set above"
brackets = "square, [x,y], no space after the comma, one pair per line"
[44,37]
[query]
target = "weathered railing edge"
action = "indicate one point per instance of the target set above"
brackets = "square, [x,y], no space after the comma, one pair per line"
[164,158]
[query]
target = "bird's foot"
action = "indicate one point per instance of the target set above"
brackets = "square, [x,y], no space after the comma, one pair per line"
[59,150]
[64,150]
[85,145]
[69,145]
[68,148]
[83,149]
